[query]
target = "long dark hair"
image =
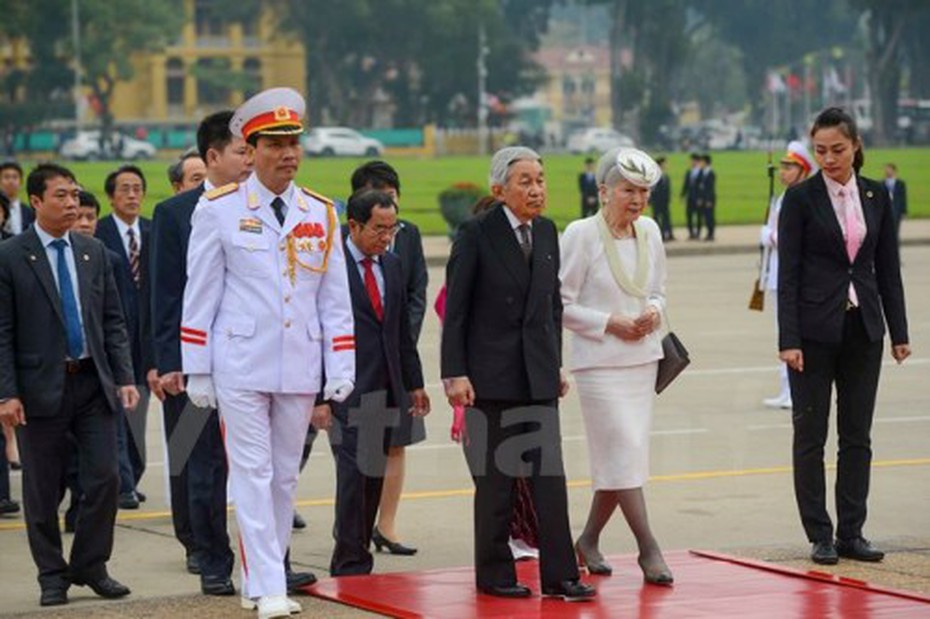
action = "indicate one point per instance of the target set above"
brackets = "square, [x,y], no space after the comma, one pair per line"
[837,117]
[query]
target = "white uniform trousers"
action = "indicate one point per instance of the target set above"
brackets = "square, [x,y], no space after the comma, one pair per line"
[265,435]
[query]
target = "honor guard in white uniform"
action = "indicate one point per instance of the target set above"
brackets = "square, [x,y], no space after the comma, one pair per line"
[267,314]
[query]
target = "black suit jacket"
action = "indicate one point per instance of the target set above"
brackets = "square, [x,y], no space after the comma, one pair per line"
[707,188]
[662,193]
[382,346]
[814,270]
[171,231]
[138,315]
[33,340]
[409,248]
[503,326]
[899,198]
[588,188]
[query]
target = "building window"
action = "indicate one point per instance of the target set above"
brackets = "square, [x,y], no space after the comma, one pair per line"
[174,77]
[212,79]
[209,23]
[252,68]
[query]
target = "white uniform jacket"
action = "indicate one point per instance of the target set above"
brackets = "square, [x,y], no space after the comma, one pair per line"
[267,307]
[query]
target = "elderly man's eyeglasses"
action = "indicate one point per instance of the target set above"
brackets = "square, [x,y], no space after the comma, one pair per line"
[383,230]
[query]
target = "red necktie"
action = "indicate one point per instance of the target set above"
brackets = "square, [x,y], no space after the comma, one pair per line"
[371,286]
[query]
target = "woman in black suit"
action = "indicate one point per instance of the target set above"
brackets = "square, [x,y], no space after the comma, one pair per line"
[838,273]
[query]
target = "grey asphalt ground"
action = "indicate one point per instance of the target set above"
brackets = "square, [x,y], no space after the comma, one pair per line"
[721,476]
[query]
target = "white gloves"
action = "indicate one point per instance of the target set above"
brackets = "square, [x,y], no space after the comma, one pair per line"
[338,389]
[200,390]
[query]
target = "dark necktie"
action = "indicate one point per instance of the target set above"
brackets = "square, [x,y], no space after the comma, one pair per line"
[371,286]
[69,303]
[277,205]
[526,245]
[134,258]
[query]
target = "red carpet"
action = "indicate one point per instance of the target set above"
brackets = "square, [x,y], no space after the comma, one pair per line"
[707,585]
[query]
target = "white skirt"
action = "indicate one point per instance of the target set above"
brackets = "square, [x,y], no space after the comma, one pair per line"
[616,404]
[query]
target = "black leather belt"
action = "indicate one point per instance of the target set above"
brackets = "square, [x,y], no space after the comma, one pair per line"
[81,365]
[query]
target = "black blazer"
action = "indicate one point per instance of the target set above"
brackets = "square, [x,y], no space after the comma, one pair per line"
[409,248]
[898,198]
[381,345]
[171,231]
[503,326]
[662,193]
[707,188]
[588,188]
[33,340]
[138,315]
[814,270]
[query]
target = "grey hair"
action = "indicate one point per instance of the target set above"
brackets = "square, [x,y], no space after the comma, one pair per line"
[607,164]
[176,169]
[506,157]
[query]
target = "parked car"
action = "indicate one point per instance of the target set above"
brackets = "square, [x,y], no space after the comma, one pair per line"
[86,145]
[340,141]
[596,140]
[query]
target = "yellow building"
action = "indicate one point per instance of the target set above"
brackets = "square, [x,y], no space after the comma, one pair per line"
[578,89]
[166,86]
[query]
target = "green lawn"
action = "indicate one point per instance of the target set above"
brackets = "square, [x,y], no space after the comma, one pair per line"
[742,184]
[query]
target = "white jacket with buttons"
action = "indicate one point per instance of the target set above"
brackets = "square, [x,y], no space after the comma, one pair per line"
[267,307]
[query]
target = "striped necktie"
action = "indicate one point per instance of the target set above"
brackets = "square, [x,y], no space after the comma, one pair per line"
[134,267]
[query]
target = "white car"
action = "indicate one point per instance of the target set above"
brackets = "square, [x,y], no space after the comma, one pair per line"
[86,146]
[333,141]
[596,140]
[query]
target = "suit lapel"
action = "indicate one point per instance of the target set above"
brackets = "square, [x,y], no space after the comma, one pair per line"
[505,244]
[109,228]
[356,284]
[84,266]
[391,286]
[870,212]
[823,211]
[37,259]
[542,258]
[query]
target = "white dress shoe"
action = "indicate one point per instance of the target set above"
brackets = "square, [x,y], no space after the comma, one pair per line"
[781,402]
[250,604]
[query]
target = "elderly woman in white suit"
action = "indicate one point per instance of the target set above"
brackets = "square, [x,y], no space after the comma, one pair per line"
[613,292]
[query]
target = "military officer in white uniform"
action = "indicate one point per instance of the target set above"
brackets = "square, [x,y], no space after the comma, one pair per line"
[267,314]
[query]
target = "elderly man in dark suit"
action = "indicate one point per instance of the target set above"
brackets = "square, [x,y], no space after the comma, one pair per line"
[388,374]
[501,355]
[63,351]
[126,233]
[408,246]
[196,457]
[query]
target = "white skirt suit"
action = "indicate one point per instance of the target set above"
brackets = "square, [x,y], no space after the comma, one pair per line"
[615,378]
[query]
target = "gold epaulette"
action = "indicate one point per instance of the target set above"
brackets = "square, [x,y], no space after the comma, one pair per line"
[318,196]
[219,192]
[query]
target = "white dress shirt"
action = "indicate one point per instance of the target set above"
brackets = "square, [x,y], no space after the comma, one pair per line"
[358,256]
[515,223]
[124,228]
[46,239]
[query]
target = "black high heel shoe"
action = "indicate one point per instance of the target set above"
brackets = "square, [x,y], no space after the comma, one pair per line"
[598,567]
[662,576]
[395,548]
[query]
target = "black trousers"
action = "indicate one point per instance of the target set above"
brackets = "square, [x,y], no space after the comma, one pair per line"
[694,216]
[44,441]
[507,440]
[853,366]
[206,477]
[359,442]
[661,214]
[710,219]
[178,457]
[4,470]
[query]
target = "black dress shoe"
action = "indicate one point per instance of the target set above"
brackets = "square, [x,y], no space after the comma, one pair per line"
[824,553]
[570,591]
[296,581]
[8,506]
[217,585]
[512,591]
[299,522]
[193,567]
[858,549]
[54,596]
[395,548]
[105,587]
[141,497]
[128,500]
